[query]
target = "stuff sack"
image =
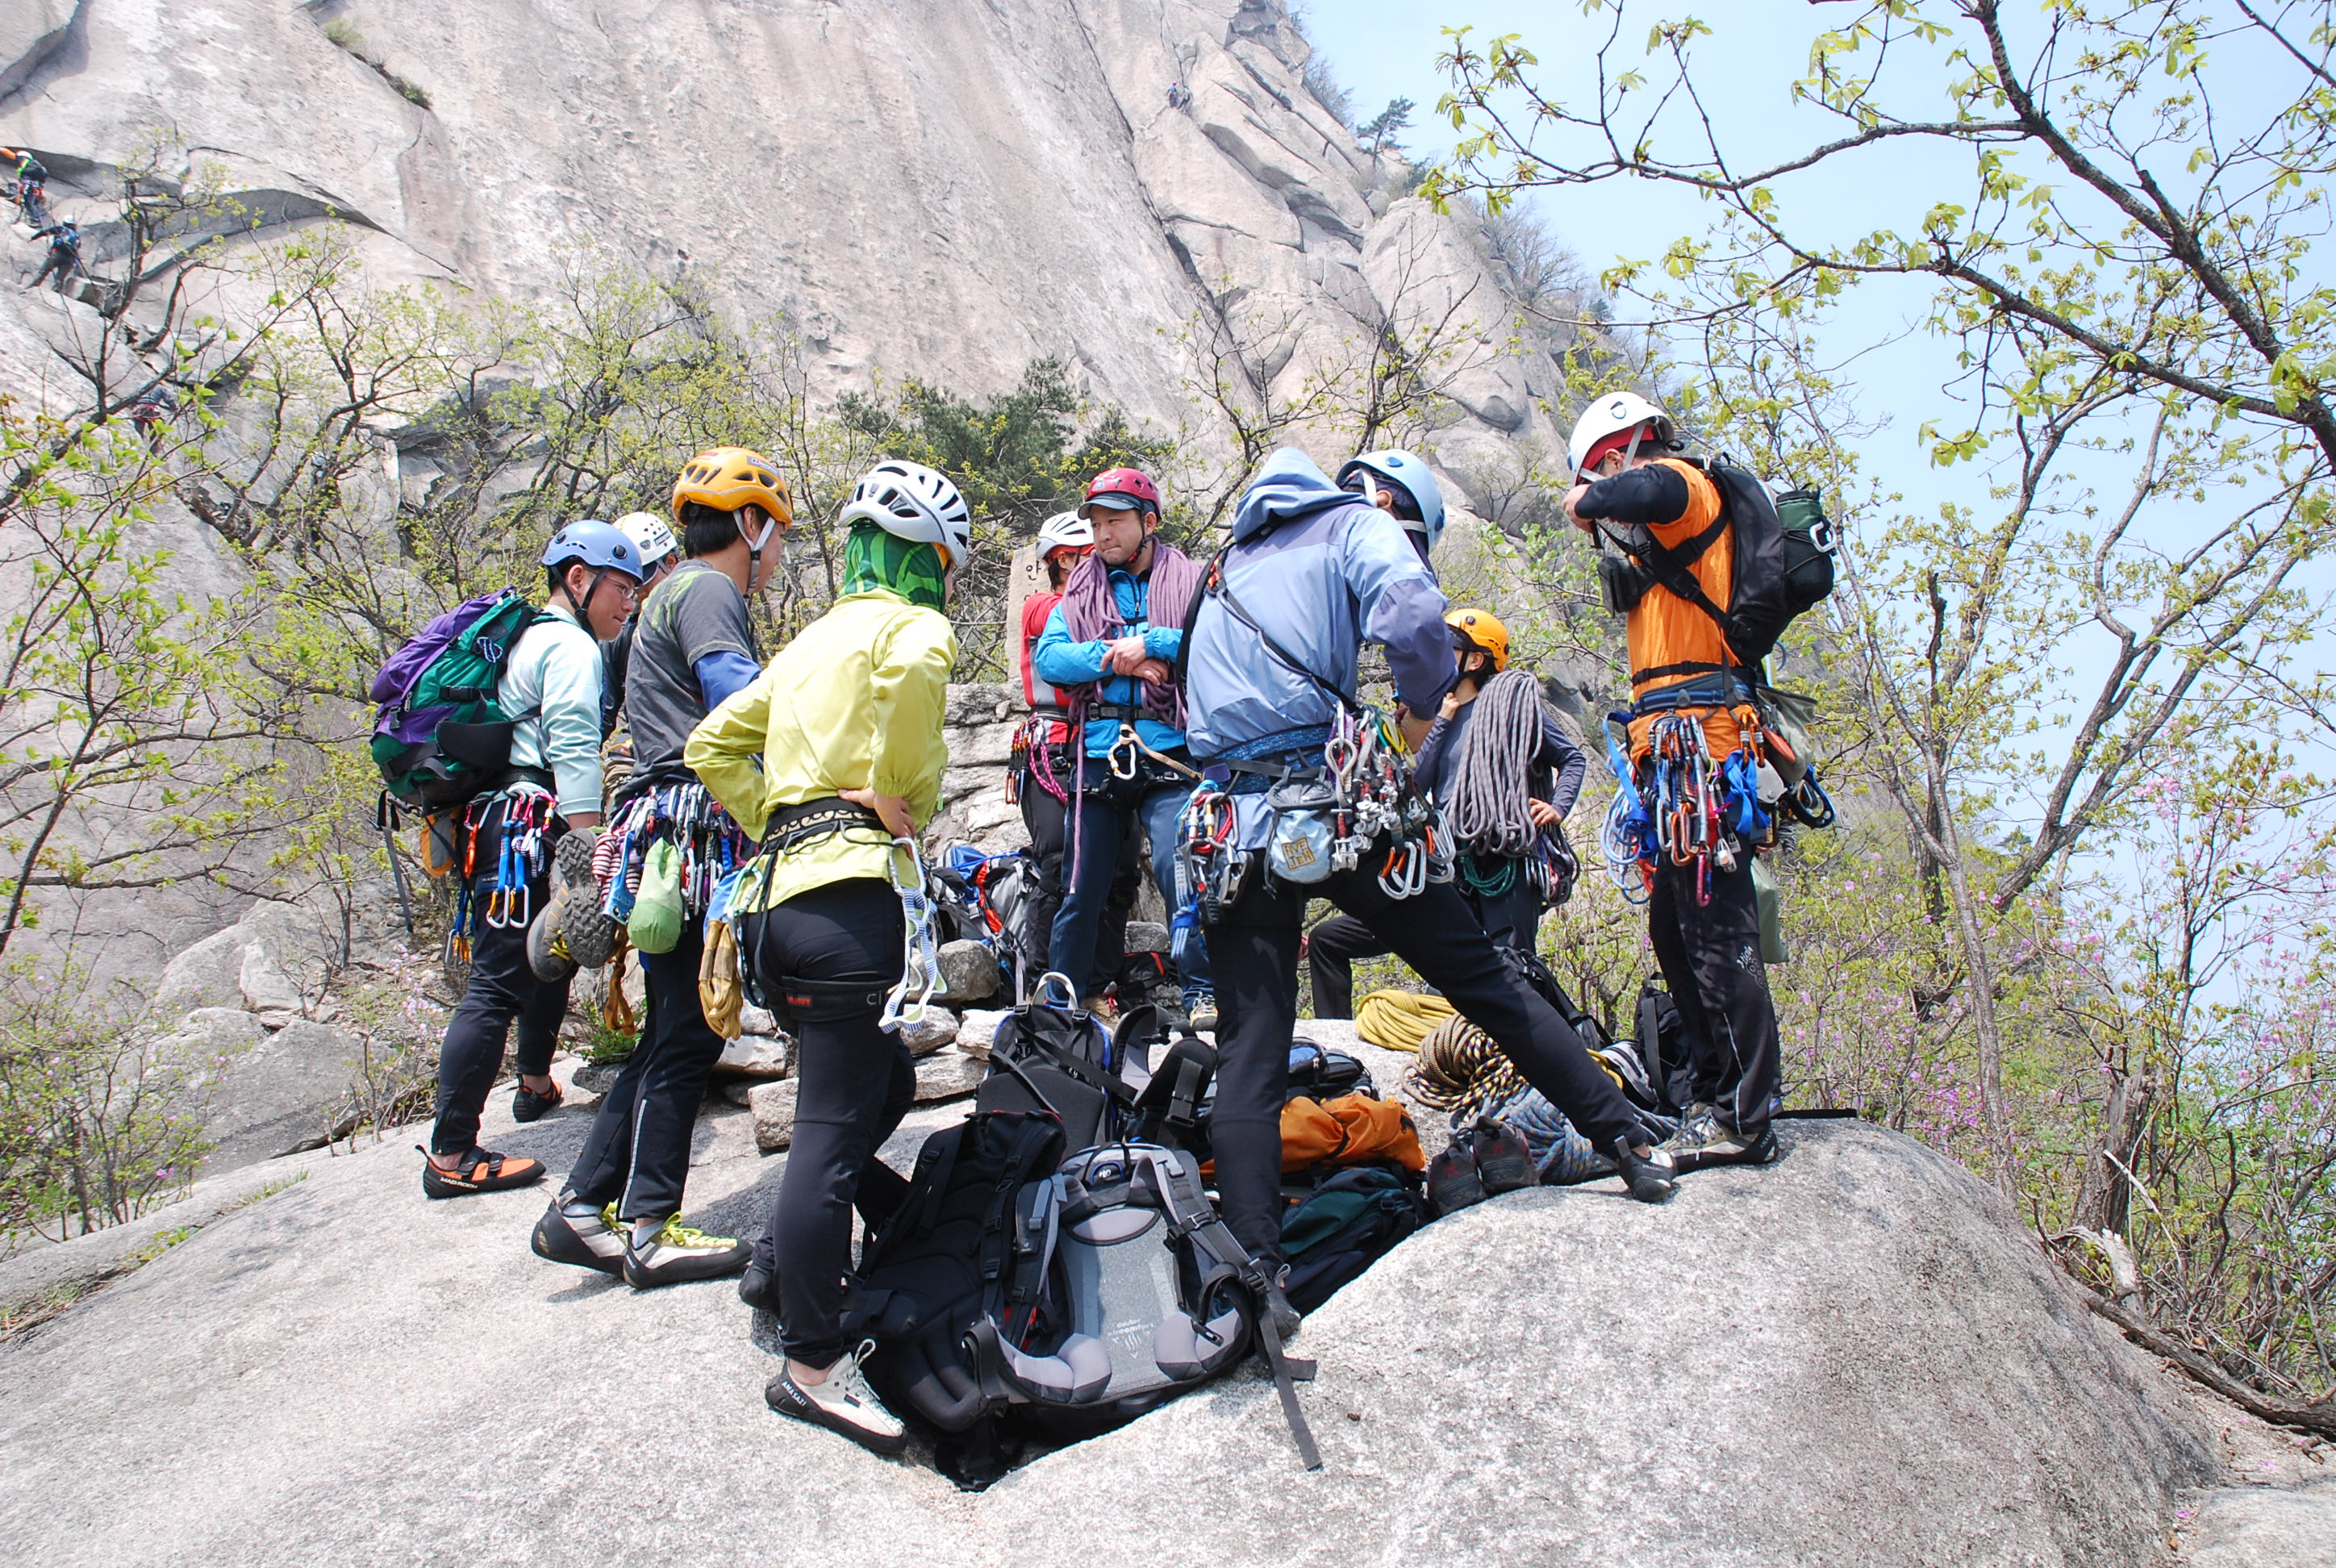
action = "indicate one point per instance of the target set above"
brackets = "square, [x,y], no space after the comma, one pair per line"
[439,734]
[1346,1224]
[1349,1130]
[1125,1291]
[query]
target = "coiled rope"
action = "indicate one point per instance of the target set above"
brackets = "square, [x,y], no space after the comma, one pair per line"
[1487,789]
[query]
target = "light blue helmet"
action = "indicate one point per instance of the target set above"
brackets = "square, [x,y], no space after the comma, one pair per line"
[1409,470]
[600,545]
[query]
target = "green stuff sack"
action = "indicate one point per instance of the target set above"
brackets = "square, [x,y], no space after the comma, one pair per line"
[656,923]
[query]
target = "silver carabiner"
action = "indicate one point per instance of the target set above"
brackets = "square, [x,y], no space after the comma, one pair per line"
[1125,743]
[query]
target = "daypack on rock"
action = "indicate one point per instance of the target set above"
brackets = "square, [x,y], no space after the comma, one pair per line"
[440,736]
[1781,566]
[1342,1226]
[1059,1059]
[1322,1075]
[1008,885]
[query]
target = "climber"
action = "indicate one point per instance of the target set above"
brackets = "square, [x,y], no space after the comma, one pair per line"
[693,648]
[156,407]
[652,537]
[1504,794]
[1043,761]
[830,758]
[506,838]
[1312,574]
[63,258]
[1111,655]
[1706,939]
[32,185]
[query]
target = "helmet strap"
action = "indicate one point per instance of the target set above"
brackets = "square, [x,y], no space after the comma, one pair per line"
[754,545]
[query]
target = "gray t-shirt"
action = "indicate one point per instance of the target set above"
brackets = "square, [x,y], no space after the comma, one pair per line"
[695,612]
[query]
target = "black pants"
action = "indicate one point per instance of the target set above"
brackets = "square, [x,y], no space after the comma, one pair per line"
[501,987]
[1710,957]
[637,1155]
[1255,949]
[1049,822]
[63,264]
[1332,948]
[853,1083]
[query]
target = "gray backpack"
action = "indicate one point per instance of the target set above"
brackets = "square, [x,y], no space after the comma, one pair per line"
[1124,1290]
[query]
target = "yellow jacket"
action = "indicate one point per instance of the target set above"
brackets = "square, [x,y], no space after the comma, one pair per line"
[855,702]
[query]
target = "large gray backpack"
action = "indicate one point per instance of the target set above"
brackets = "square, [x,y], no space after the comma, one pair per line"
[1124,1290]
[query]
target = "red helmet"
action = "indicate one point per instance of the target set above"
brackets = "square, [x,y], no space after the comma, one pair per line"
[1131,487]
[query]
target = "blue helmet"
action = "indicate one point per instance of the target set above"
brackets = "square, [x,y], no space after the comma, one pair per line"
[1408,472]
[601,545]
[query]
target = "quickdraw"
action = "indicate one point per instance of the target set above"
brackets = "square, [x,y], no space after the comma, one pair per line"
[510,903]
[712,846]
[1369,767]
[1207,868]
[921,956]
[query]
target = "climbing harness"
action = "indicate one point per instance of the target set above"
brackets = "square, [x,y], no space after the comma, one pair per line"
[921,954]
[1128,753]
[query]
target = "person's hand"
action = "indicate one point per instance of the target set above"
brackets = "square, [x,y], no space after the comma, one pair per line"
[1572,504]
[891,810]
[1125,654]
[1452,704]
[1155,671]
[1542,814]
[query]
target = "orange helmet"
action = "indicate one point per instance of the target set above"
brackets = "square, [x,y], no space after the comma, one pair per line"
[1483,630]
[726,478]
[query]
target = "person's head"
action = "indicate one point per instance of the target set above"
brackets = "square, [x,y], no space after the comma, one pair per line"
[1065,540]
[1123,506]
[910,533]
[1398,484]
[1618,431]
[595,571]
[727,502]
[655,541]
[1479,641]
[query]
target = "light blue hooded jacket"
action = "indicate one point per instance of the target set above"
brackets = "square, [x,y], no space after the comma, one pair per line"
[1321,572]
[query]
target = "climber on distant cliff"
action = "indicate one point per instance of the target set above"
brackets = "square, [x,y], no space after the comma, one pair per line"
[64,255]
[32,185]
[155,407]
[693,647]
[832,757]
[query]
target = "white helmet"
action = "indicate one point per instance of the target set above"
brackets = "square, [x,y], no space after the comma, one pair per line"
[914,502]
[1064,531]
[650,534]
[1616,411]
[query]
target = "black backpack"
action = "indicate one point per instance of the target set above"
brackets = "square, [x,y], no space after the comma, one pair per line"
[1660,1037]
[1342,1225]
[1783,564]
[1060,1061]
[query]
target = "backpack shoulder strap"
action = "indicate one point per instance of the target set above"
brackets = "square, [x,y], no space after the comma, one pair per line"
[1214,585]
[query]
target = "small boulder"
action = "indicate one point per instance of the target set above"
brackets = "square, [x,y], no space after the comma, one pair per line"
[280,1095]
[774,1104]
[266,988]
[945,1074]
[976,1029]
[1147,937]
[937,1028]
[969,972]
[208,975]
[756,1057]
[754,1020]
[596,1077]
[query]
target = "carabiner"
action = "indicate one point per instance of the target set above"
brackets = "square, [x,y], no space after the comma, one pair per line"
[1125,743]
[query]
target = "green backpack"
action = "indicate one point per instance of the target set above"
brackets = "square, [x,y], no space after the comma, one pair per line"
[439,734]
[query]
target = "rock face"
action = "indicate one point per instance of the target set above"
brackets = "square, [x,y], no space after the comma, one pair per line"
[940,191]
[1851,1358]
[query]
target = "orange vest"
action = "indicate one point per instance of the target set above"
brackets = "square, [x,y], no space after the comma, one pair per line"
[1665,629]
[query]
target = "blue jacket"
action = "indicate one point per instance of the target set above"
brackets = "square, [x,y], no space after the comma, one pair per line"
[1060,662]
[1322,573]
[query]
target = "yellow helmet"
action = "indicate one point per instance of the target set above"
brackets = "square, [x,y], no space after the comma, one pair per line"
[726,478]
[1480,629]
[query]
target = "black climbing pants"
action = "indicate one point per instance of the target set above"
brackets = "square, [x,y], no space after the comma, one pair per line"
[63,264]
[1049,823]
[1710,957]
[1333,947]
[1255,951]
[501,987]
[853,1083]
[637,1155]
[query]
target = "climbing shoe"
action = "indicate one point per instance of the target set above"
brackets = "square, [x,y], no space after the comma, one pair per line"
[1729,1147]
[842,1403]
[1652,1178]
[585,931]
[759,1289]
[527,1106]
[674,1253]
[1200,1012]
[1698,1130]
[580,1234]
[548,958]
[1452,1180]
[480,1171]
[1504,1161]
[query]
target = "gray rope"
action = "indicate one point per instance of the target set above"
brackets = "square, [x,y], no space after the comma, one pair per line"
[1488,786]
